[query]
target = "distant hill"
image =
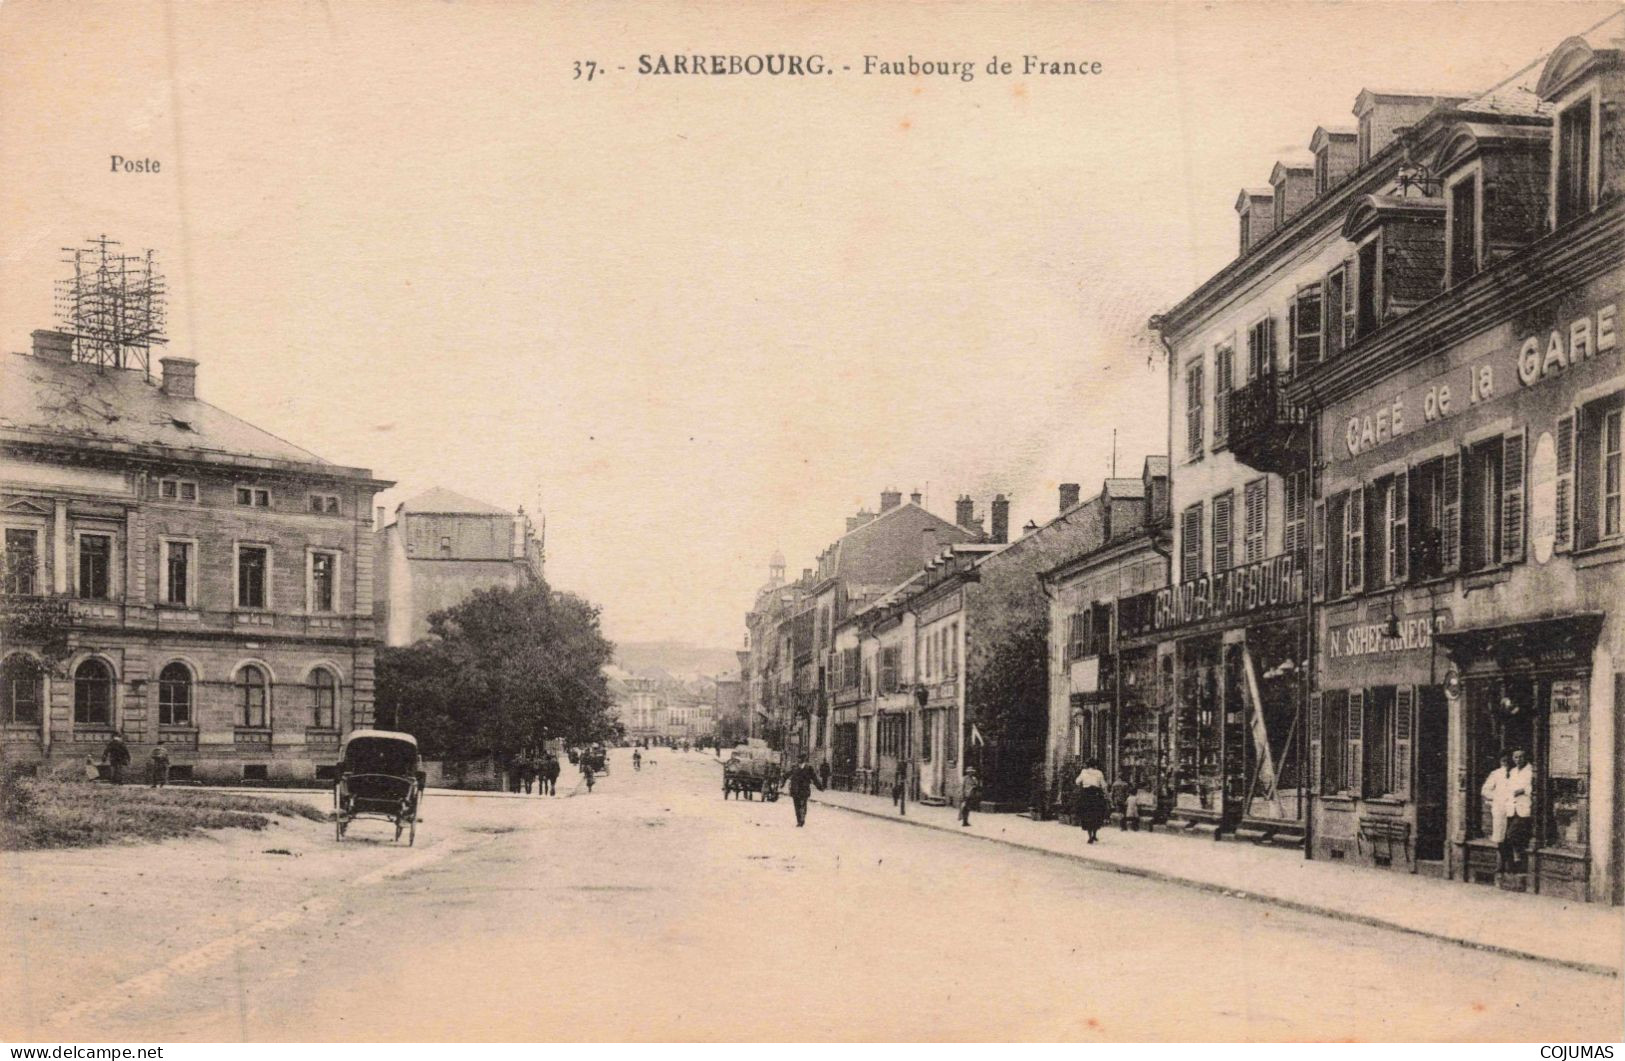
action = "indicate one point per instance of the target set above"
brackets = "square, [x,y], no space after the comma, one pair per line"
[676,658]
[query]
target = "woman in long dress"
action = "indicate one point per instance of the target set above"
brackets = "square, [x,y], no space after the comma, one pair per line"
[1094,810]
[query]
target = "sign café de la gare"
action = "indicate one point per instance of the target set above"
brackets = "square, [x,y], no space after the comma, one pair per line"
[1536,359]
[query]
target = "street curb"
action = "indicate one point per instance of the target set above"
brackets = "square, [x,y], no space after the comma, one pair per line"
[1331,912]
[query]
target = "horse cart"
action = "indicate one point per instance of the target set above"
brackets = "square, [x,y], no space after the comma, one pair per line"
[379,777]
[749,772]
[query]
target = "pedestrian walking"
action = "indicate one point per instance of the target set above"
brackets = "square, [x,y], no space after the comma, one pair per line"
[1093,808]
[527,775]
[550,775]
[158,767]
[971,793]
[117,757]
[587,774]
[637,760]
[802,779]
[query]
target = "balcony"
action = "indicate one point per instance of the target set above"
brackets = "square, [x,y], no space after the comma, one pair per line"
[1265,430]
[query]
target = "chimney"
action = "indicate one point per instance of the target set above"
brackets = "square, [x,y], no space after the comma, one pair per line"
[1001,520]
[890,499]
[964,511]
[806,574]
[53,346]
[1070,492]
[915,497]
[180,376]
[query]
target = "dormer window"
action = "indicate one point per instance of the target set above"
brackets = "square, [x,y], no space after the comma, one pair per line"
[1574,190]
[1462,221]
[1322,173]
[1365,138]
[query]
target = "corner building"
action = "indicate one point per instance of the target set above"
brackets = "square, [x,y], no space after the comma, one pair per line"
[1468,537]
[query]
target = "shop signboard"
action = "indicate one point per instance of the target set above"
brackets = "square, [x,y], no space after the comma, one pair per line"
[1372,639]
[1262,586]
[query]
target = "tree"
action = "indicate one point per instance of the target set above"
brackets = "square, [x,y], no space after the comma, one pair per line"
[499,673]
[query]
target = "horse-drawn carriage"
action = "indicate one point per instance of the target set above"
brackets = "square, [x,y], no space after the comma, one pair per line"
[379,776]
[751,769]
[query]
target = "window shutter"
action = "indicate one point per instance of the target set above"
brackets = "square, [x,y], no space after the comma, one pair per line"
[1356,756]
[1314,741]
[1318,564]
[1270,344]
[1565,484]
[1399,531]
[1191,545]
[1354,541]
[1512,496]
[1348,303]
[1257,514]
[1404,706]
[1223,532]
[1450,524]
[1292,340]
[1289,504]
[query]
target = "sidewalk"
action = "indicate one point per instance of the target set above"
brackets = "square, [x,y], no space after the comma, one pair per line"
[1585,936]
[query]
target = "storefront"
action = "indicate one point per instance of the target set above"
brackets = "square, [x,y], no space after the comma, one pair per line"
[1227,699]
[1144,725]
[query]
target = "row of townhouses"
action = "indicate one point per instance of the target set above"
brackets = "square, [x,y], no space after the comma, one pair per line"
[1386,546]
[180,577]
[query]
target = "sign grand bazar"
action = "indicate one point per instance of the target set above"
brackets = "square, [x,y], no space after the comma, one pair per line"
[1277,582]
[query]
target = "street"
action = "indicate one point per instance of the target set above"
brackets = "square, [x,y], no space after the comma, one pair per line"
[652,909]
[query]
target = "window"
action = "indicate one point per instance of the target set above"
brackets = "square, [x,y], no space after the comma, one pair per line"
[1295,511]
[1322,171]
[253,497]
[324,697]
[253,698]
[1190,550]
[177,490]
[1193,409]
[22,684]
[1256,509]
[1261,349]
[1224,373]
[1377,741]
[22,561]
[1334,741]
[93,694]
[1598,517]
[1333,316]
[253,570]
[176,571]
[324,504]
[1463,224]
[1368,308]
[1434,516]
[925,738]
[1365,138]
[1389,533]
[1574,162]
[323,581]
[889,667]
[1481,506]
[1224,549]
[1354,540]
[95,566]
[175,695]
[1306,328]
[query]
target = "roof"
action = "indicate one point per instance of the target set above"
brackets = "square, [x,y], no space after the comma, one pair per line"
[1125,488]
[1157,466]
[449,502]
[887,548]
[124,406]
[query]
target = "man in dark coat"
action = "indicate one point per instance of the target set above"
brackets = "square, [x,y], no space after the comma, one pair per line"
[117,757]
[801,780]
[550,775]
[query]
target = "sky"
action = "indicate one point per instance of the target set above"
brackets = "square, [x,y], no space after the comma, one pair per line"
[693,320]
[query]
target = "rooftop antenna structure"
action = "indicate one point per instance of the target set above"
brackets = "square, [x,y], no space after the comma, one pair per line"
[113,305]
[1114,453]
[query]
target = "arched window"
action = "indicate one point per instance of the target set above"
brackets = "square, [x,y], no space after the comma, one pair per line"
[93,694]
[175,695]
[253,698]
[22,689]
[324,697]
